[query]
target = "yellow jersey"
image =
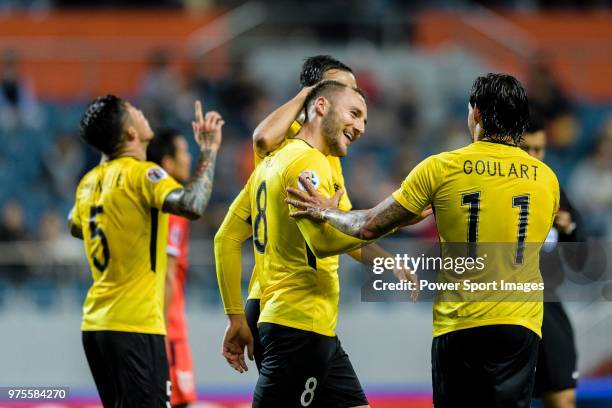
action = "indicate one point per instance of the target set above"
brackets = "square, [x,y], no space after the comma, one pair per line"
[488,193]
[242,207]
[299,284]
[118,208]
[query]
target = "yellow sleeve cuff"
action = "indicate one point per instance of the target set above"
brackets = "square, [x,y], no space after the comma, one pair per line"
[399,196]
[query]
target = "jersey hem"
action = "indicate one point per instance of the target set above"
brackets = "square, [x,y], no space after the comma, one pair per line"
[122,328]
[298,326]
[489,322]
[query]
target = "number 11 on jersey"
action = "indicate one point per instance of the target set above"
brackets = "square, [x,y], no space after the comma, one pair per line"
[473,201]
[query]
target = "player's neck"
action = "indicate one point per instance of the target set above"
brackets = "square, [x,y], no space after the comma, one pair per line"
[132,150]
[313,138]
[480,136]
[502,140]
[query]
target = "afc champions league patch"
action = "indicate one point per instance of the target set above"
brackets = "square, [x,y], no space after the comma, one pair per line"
[155,174]
[311,176]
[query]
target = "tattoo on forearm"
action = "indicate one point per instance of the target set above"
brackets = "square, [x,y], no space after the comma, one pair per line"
[351,223]
[369,224]
[191,201]
[389,215]
[198,190]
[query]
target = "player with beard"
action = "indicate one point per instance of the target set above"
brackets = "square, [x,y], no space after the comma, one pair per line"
[271,134]
[303,362]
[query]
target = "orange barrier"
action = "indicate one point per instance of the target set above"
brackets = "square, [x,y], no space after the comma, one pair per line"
[72,54]
[578,45]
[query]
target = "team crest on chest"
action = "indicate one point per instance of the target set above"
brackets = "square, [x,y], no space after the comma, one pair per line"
[311,176]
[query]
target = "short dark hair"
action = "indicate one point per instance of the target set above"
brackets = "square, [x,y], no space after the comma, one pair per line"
[504,109]
[314,68]
[326,88]
[102,123]
[163,144]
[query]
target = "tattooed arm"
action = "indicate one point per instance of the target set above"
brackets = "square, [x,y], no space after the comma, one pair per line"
[363,224]
[191,201]
[373,223]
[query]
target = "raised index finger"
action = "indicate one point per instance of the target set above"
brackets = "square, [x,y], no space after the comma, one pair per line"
[198,112]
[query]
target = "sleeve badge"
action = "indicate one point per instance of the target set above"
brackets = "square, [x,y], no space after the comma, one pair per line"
[156,174]
[311,176]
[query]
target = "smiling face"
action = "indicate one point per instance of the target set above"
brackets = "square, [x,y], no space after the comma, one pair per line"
[344,121]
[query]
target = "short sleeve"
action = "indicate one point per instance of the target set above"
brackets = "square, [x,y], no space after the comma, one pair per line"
[257,159]
[176,235]
[154,183]
[241,206]
[418,189]
[315,167]
[322,239]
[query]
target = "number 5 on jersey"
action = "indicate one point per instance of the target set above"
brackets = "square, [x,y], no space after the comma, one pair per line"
[96,232]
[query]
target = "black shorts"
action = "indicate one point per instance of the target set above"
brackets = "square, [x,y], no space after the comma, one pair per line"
[484,367]
[304,369]
[251,311]
[129,369]
[556,368]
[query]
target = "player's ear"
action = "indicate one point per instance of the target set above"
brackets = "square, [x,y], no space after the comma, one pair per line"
[321,106]
[129,129]
[130,133]
[477,115]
